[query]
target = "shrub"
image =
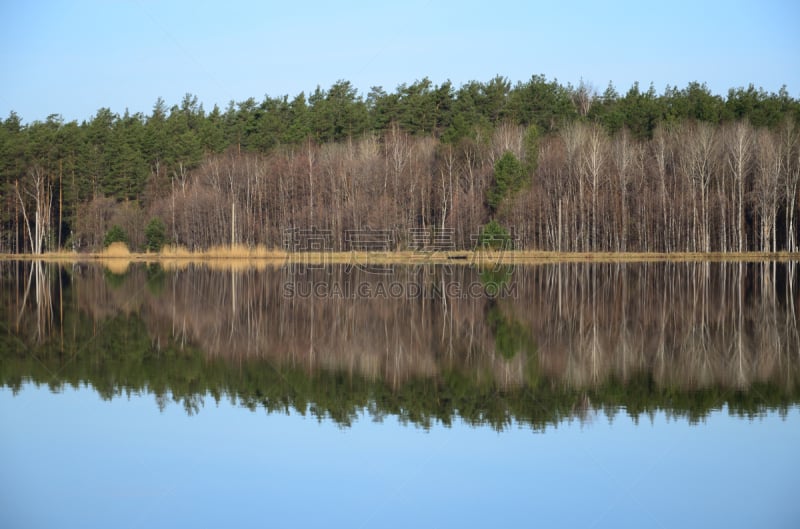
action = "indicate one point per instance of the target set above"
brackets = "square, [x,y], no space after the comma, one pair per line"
[155,235]
[115,234]
[494,236]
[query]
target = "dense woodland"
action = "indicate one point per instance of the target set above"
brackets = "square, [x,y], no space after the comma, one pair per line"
[566,168]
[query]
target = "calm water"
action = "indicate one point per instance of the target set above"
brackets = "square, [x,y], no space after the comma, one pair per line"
[655,395]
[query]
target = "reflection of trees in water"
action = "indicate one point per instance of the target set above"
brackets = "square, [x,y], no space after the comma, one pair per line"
[690,325]
[577,337]
[244,315]
[36,299]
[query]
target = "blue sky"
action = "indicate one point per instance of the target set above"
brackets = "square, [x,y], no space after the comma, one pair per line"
[72,58]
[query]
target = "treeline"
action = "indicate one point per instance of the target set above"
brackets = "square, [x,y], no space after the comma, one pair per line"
[565,167]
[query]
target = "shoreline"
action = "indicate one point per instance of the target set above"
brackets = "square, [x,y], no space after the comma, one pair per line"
[405,257]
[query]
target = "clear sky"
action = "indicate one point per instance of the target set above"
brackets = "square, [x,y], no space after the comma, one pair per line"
[73,57]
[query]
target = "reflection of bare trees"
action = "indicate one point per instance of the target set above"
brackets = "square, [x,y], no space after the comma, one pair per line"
[244,315]
[683,325]
[41,303]
[690,325]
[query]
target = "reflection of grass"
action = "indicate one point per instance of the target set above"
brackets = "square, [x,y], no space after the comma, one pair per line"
[117,266]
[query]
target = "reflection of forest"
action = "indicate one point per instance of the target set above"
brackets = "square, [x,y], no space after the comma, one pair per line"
[681,336]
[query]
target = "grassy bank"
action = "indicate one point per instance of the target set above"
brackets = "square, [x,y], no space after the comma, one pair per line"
[244,255]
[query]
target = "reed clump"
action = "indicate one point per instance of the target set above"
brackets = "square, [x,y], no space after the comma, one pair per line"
[116,250]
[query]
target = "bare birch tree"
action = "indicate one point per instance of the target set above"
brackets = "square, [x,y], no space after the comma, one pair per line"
[38,189]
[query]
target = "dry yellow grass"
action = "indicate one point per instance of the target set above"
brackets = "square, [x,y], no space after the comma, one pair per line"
[221,252]
[244,257]
[116,250]
[174,252]
[242,252]
[220,257]
[632,257]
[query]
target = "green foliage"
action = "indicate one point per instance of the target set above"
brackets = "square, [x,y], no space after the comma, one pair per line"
[606,110]
[382,108]
[494,236]
[546,104]
[531,142]
[416,107]
[338,113]
[639,112]
[757,106]
[155,235]
[509,177]
[114,234]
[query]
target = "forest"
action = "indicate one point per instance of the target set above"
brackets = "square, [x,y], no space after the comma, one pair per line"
[563,168]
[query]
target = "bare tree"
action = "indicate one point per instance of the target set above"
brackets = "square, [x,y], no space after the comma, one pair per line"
[660,153]
[574,137]
[738,147]
[624,155]
[698,146]
[37,188]
[593,159]
[790,167]
[768,169]
[583,97]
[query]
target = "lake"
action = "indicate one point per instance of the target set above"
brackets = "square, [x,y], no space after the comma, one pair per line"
[362,395]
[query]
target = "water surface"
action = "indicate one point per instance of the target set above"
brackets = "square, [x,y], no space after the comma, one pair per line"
[592,394]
